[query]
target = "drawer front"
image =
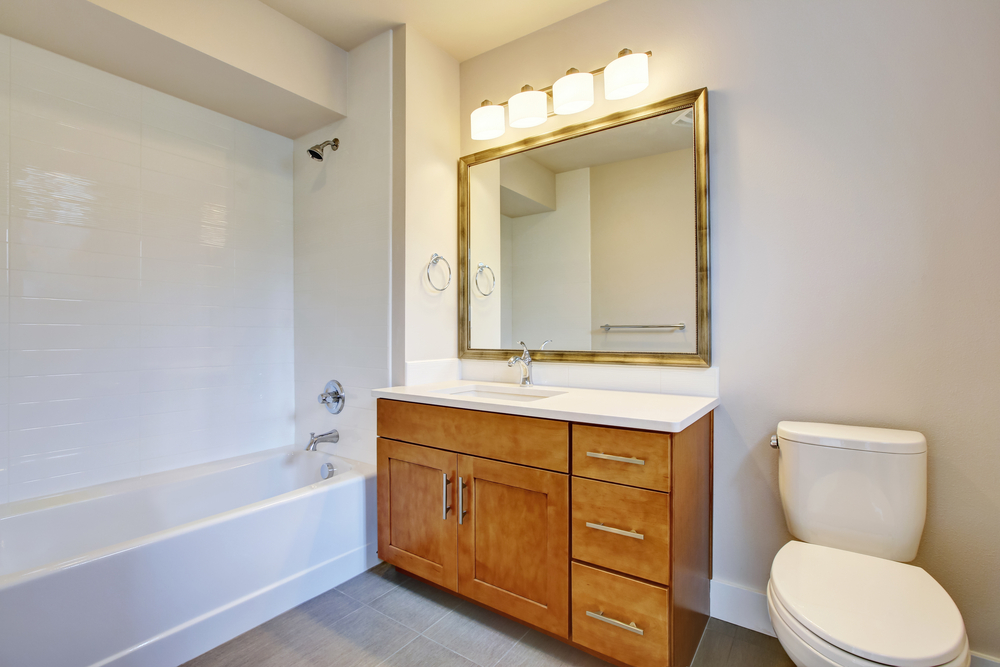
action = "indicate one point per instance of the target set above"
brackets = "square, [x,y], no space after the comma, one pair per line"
[622,528]
[540,443]
[636,458]
[624,607]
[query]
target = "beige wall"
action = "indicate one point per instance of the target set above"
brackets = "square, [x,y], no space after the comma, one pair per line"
[236,57]
[643,252]
[251,36]
[854,240]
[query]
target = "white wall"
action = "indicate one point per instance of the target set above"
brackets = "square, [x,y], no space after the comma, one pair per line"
[146,310]
[643,259]
[342,243]
[854,241]
[551,269]
[431,147]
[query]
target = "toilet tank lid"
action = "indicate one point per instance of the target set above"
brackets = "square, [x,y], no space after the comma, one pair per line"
[864,438]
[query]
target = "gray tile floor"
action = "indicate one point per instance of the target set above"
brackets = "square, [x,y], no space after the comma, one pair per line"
[382,617]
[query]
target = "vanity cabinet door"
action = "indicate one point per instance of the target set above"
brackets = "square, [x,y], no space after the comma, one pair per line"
[513,541]
[417,514]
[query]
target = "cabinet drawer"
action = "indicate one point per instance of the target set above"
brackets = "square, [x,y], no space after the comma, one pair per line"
[636,458]
[539,443]
[602,512]
[624,608]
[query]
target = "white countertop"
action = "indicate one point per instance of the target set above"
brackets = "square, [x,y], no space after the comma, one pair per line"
[654,412]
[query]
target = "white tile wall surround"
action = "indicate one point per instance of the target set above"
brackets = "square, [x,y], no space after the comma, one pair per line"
[146,311]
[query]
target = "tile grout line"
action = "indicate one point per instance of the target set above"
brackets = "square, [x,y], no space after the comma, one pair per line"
[512,647]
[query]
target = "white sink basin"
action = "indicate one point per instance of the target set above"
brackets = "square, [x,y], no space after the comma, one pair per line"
[500,392]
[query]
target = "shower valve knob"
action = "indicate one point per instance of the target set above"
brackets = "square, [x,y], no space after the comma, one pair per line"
[333,397]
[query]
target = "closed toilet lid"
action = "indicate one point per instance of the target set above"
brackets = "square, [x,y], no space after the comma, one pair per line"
[875,608]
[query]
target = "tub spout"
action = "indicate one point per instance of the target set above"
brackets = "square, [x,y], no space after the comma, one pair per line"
[329,436]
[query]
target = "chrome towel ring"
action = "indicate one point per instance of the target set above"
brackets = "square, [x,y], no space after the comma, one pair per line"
[493,285]
[435,258]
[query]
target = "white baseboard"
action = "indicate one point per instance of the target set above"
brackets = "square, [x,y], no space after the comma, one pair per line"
[432,370]
[980,660]
[741,606]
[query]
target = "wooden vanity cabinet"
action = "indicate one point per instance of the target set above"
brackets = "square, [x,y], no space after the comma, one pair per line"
[599,536]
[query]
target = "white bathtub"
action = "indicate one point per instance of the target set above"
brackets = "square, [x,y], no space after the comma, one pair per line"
[153,571]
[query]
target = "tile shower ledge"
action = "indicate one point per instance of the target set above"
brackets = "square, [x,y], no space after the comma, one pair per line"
[655,412]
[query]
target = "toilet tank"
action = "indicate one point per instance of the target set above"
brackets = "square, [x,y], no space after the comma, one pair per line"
[854,488]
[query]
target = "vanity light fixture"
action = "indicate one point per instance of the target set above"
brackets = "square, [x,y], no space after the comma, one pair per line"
[488,121]
[528,108]
[626,76]
[573,93]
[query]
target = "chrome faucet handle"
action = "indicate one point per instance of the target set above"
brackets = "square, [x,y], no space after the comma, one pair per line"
[526,355]
[545,343]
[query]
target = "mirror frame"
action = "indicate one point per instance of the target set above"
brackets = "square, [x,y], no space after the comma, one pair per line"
[698,99]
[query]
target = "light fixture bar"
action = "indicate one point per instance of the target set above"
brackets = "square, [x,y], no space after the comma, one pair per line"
[548,89]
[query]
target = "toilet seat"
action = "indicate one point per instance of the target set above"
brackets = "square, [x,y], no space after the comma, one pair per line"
[864,611]
[808,650]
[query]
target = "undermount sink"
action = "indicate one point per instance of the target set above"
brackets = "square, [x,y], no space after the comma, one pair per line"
[500,392]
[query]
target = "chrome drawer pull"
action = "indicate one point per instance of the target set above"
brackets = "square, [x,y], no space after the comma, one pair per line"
[617,531]
[444,496]
[599,615]
[620,459]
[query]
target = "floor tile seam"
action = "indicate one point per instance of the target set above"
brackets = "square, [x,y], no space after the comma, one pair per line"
[512,646]
[413,639]
[337,588]
[434,624]
[451,650]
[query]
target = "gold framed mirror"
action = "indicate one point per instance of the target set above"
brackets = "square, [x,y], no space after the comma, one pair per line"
[593,238]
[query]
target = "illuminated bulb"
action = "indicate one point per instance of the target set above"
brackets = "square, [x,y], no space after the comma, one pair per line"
[573,93]
[626,76]
[528,108]
[487,121]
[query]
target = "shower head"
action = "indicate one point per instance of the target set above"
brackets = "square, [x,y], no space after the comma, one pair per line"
[316,152]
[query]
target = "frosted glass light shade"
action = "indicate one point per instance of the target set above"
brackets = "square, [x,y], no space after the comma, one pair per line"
[488,122]
[573,93]
[626,76]
[528,108]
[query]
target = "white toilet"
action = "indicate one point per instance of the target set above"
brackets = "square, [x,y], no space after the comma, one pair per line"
[843,596]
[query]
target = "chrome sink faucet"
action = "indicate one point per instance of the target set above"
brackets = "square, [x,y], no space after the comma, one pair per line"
[525,361]
[329,436]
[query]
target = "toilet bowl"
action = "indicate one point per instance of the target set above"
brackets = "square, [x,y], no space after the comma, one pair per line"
[835,608]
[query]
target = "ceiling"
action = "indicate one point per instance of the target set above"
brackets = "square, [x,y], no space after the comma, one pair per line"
[462,28]
[627,142]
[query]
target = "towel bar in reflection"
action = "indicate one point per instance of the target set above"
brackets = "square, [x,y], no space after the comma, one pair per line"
[609,327]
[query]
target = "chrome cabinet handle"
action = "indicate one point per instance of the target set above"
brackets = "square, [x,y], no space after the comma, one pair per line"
[599,615]
[616,531]
[461,500]
[444,496]
[620,459]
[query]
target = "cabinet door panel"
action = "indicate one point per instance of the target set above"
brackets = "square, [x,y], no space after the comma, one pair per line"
[514,541]
[416,511]
[513,521]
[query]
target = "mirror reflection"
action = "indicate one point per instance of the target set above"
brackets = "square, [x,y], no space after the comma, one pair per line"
[589,243]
